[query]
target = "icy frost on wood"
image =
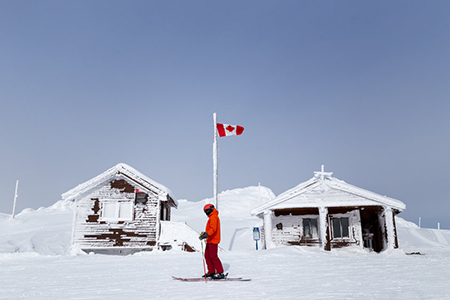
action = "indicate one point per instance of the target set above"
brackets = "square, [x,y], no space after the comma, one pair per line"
[338,207]
[119,208]
[390,229]
[126,172]
[92,230]
[324,228]
[268,227]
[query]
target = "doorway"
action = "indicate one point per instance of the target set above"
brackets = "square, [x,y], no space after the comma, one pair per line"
[371,228]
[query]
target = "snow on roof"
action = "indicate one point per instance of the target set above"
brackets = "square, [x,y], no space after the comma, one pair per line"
[121,170]
[177,233]
[323,190]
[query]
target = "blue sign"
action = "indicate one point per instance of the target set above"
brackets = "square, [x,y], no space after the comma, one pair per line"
[256,234]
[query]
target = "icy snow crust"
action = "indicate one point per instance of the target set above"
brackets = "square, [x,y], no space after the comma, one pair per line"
[311,194]
[35,262]
[121,168]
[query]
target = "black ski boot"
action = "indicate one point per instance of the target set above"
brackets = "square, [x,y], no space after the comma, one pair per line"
[209,275]
[219,276]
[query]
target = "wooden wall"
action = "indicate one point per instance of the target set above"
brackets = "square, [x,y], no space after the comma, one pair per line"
[287,226]
[91,231]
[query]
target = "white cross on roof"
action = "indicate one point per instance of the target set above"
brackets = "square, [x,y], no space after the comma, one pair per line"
[322,174]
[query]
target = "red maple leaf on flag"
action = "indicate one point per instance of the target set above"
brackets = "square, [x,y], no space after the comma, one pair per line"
[230,128]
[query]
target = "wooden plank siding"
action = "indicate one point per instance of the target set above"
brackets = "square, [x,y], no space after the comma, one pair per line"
[91,230]
[345,215]
[288,226]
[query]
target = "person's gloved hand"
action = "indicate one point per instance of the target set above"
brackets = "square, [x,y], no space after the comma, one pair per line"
[203,236]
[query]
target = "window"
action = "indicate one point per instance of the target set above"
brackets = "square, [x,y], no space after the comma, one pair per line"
[340,228]
[117,210]
[141,198]
[165,212]
[310,228]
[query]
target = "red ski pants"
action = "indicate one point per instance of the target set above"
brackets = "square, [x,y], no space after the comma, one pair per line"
[212,260]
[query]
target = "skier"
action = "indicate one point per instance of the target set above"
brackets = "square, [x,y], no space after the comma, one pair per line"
[212,236]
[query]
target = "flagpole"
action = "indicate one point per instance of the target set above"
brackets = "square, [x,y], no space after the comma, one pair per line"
[215,167]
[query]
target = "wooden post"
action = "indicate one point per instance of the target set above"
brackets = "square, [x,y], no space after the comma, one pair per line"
[268,229]
[390,228]
[15,199]
[324,228]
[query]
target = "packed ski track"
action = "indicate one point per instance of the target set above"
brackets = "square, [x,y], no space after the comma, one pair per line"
[36,262]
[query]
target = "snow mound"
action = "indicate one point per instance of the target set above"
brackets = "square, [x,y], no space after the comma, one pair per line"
[177,235]
[415,239]
[234,208]
[46,231]
[403,223]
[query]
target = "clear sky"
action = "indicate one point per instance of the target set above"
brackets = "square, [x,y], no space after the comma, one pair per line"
[361,87]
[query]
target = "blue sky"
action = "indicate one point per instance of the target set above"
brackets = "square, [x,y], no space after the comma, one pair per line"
[361,87]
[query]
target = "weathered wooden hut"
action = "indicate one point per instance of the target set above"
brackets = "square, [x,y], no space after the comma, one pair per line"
[119,212]
[330,213]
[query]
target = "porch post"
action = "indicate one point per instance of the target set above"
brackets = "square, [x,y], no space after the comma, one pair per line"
[324,228]
[160,198]
[268,229]
[391,235]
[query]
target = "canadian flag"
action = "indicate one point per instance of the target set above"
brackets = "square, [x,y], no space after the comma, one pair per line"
[227,129]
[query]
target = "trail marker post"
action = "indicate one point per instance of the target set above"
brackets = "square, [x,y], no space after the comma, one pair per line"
[256,235]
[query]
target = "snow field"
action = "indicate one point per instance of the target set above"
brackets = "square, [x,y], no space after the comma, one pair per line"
[35,262]
[282,273]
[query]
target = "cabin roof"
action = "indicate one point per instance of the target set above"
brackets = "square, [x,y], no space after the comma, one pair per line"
[323,190]
[122,171]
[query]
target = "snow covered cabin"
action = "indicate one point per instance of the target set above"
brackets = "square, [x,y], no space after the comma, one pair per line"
[119,212]
[330,213]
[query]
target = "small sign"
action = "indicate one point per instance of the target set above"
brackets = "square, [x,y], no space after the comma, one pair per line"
[256,234]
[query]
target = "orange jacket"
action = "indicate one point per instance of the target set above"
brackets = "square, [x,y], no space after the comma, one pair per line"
[213,228]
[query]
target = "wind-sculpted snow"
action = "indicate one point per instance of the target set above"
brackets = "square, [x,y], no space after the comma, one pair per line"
[44,231]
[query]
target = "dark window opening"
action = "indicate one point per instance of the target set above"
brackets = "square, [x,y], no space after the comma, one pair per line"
[141,198]
[165,212]
[341,228]
[310,228]
[279,226]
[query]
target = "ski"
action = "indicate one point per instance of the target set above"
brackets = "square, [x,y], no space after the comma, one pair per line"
[196,279]
[415,253]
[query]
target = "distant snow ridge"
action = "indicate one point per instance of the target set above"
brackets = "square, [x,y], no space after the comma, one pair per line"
[234,212]
[239,202]
[413,238]
[61,205]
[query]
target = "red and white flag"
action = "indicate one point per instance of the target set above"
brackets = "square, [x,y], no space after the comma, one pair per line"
[227,129]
